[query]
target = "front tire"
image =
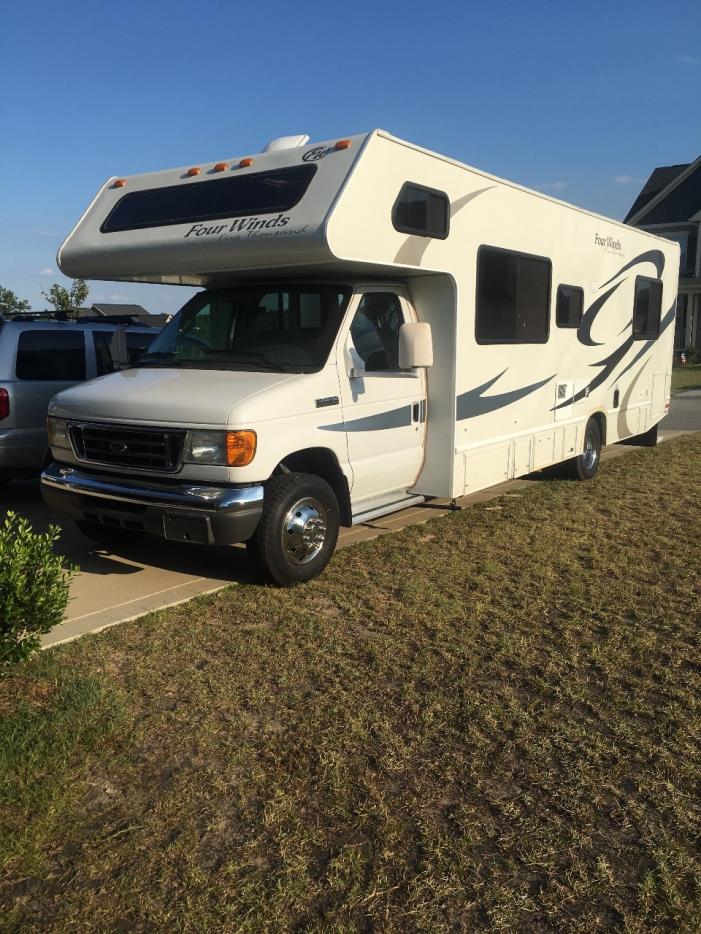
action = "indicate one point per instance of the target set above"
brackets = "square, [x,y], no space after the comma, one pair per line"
[298,530]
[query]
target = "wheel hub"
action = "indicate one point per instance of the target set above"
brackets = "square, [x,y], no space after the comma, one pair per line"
[304,530]
[590,454]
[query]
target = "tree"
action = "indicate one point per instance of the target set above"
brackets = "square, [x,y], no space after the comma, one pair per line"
[67,302]
[10,304]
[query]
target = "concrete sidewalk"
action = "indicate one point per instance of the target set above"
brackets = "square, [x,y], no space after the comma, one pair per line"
[113,588]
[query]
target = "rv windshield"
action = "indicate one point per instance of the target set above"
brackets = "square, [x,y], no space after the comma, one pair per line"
[289,328]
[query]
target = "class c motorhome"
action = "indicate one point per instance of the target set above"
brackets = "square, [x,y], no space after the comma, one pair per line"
[378,324]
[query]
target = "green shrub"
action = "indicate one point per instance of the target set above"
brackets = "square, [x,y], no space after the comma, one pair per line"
[34,584]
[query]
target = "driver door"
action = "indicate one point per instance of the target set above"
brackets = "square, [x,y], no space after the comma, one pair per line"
[384,410]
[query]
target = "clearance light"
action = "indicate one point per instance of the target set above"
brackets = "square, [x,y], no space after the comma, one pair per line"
[221,166]
[120,183]
[244,163]
[343,144]
[4,403]
[240,448]
[193,171]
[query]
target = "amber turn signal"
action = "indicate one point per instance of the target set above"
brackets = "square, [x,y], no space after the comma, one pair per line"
[240,448]
[343,144]
[193,171]
[119,183]
[244,163]
[220,166]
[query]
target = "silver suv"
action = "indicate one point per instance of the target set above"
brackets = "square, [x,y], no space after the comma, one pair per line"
[40,356]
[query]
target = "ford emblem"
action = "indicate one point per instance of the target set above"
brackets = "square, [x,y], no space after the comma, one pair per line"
[118,447]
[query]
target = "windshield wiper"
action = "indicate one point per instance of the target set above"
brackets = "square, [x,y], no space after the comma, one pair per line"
[158,358]
[251,354]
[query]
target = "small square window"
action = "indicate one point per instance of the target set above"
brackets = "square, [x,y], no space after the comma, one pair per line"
[570,306]
[647,308]
[422,211]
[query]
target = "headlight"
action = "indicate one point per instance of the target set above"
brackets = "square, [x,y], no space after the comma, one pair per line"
[225,448]
[58,432]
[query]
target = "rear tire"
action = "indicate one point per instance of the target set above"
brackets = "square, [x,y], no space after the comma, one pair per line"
[108,536]
[298,529]
[586,464]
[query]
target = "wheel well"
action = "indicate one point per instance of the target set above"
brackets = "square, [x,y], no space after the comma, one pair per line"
[600,420]
[323,463]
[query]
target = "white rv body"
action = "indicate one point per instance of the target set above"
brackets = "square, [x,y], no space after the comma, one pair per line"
[486,410]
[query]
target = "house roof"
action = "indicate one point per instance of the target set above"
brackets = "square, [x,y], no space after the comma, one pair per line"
[671,194]
[101,308]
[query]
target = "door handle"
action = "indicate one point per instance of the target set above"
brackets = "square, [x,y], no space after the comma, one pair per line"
[418,411]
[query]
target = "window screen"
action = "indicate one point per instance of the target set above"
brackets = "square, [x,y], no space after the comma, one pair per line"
[513,297]
[234,196]
[422,211]
[51,355]
[647,308]
[570,306]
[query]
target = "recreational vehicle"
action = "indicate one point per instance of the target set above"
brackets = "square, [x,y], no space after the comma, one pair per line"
[378,324]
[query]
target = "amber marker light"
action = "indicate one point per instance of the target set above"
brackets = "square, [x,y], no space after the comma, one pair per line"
[244,163]
[343,144]
[194,171]
[221,167]
[240,448]
[120,183]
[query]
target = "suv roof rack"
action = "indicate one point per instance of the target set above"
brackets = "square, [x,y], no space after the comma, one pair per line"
[84,319]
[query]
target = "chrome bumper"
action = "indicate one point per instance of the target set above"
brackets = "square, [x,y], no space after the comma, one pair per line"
[225,515]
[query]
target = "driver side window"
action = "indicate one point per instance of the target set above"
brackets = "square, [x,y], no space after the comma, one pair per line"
[375,331]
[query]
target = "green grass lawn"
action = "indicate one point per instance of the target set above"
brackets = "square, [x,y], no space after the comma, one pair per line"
[488,722]
[686,377]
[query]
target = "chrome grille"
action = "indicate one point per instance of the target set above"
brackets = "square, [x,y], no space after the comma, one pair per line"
[119,446]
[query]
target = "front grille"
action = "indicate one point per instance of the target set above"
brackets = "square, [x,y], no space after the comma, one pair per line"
[116,445]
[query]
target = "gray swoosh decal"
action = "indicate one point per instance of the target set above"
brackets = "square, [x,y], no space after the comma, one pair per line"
[610,363]
[585,325]
[651,256]
[395,418]
[472,403]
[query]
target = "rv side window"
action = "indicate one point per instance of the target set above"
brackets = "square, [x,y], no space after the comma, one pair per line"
[570,305]
[421,211]
[513,297]
[375,331]
[57,356]
[647,308]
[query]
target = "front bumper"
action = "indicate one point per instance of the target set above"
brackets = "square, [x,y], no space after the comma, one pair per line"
[178,510]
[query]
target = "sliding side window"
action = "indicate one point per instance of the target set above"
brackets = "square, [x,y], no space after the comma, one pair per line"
[647,308]
[513,297]
[570,306]
[422,211]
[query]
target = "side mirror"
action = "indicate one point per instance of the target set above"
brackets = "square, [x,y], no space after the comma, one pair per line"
[415,345]
[355,365]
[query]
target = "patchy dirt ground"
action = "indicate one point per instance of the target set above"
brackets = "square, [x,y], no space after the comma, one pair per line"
[490,722]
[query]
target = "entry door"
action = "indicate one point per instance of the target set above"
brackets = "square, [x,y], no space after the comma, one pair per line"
[384,411]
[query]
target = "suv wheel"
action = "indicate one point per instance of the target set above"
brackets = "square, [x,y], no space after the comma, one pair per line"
[298,530]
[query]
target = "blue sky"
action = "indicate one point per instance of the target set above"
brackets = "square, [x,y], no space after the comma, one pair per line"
[580,100]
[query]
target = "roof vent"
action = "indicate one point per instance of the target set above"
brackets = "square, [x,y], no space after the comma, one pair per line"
[287,142]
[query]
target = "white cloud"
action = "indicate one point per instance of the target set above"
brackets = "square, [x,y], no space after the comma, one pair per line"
[46,271]
[689,60]
[625,180]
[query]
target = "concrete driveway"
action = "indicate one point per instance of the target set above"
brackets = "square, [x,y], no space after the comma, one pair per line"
[114,587]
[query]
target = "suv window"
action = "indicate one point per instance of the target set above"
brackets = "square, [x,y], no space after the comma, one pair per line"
[51,355]
[375,331]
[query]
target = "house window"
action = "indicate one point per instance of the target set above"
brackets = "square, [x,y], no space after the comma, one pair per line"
[422,211]
[570,306]
[687,244]
[513,297]
[647,308]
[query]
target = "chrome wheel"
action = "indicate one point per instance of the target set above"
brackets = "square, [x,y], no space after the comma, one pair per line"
[590,455]
[304,530]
